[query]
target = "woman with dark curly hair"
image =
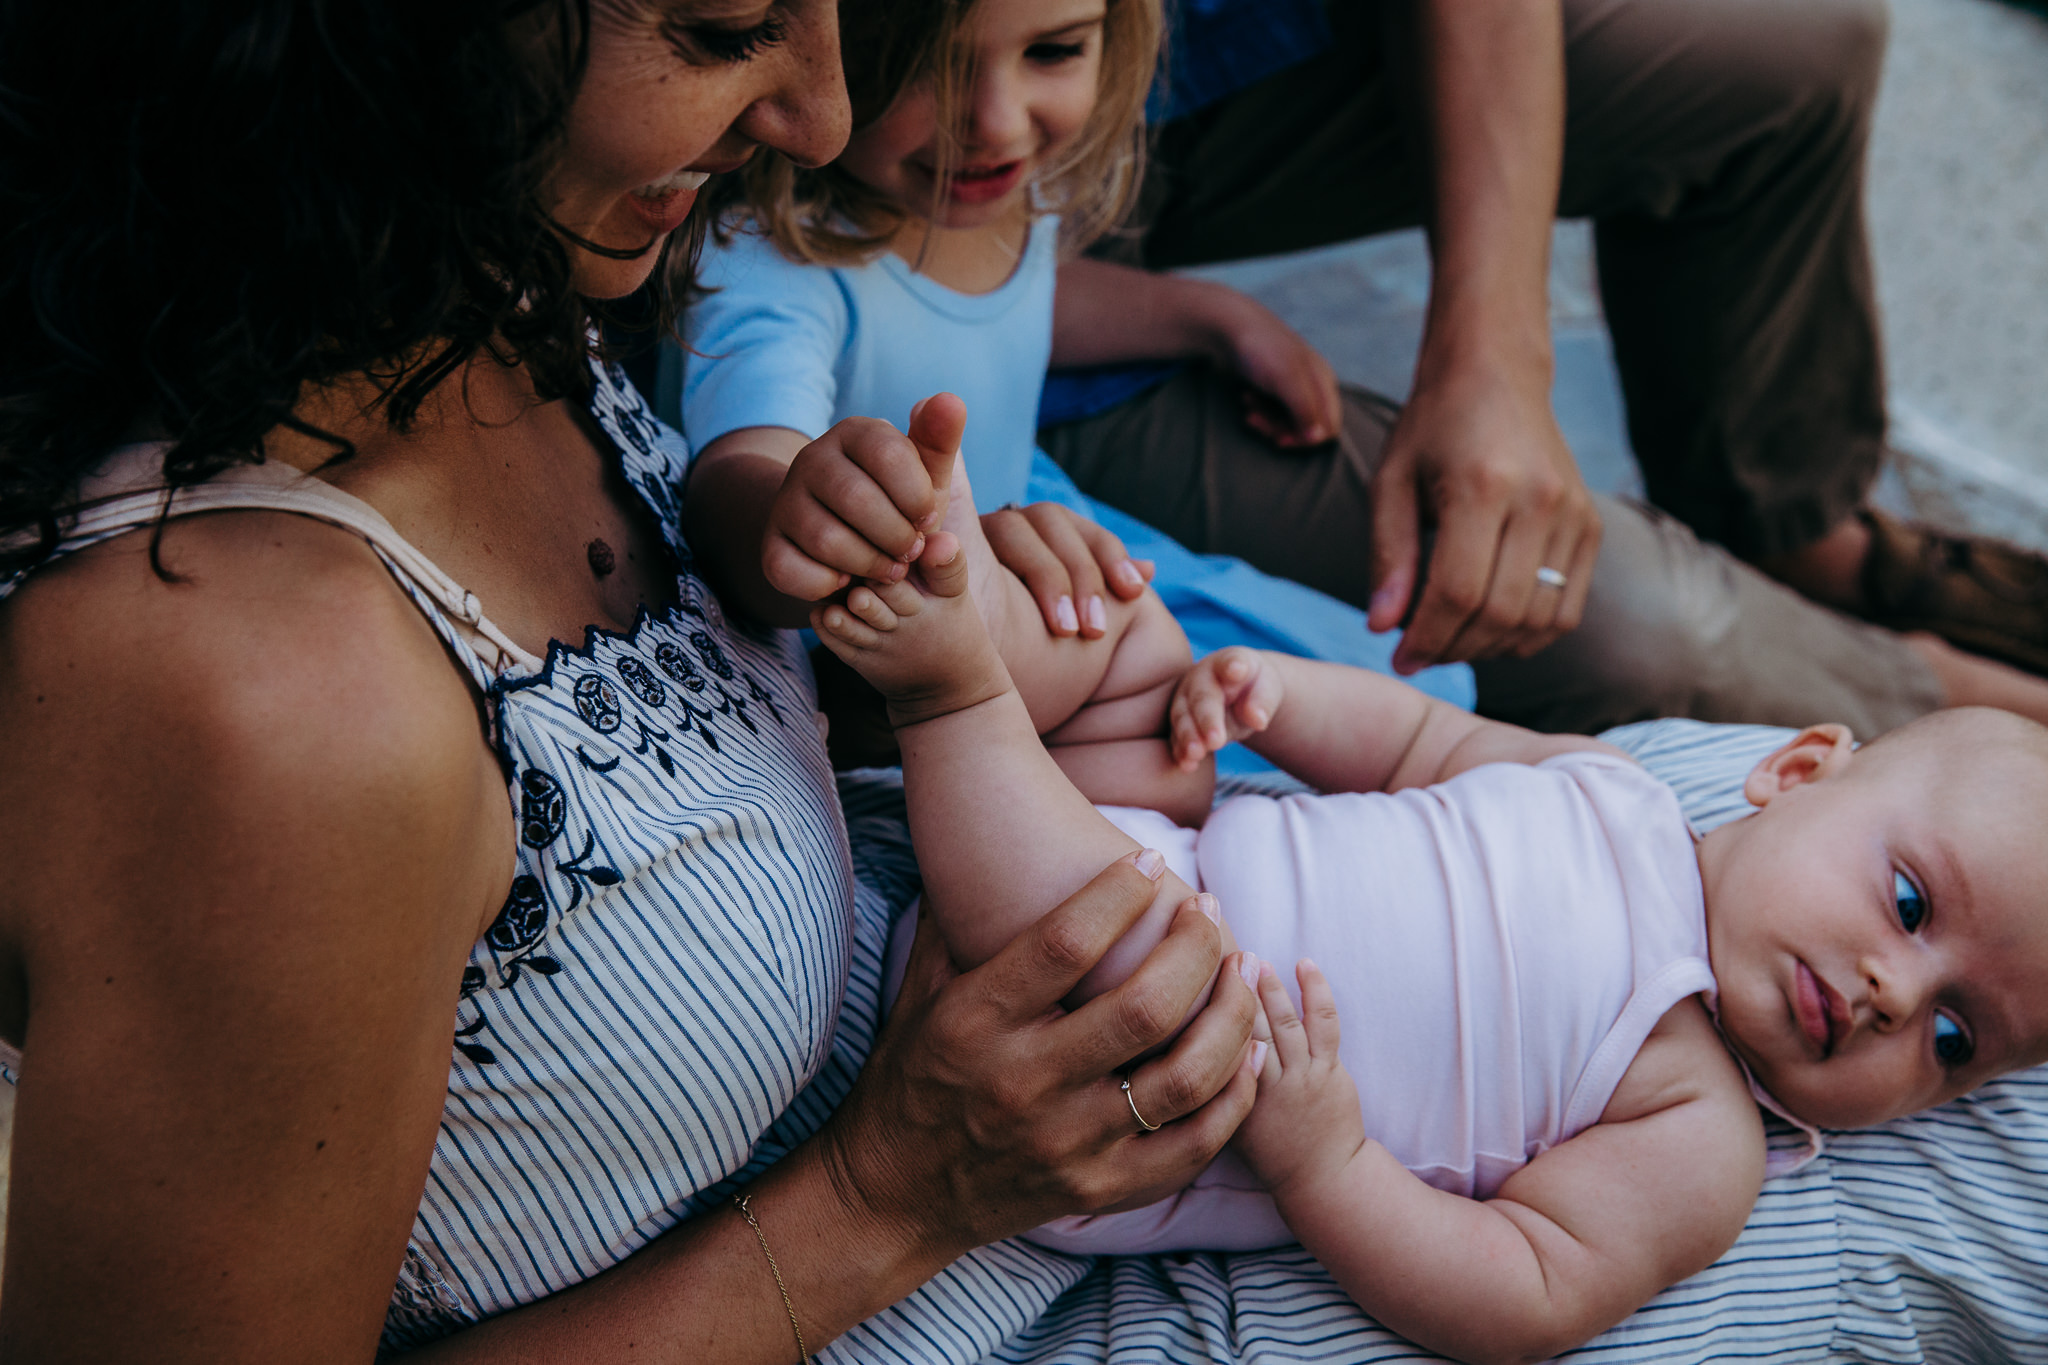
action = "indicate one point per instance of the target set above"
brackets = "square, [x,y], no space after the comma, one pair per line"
[306,474]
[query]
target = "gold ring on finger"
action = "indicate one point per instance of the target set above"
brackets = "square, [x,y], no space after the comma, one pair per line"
[1132,1100]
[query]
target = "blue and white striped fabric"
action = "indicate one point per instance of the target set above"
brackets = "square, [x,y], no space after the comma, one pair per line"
[686,979]
[1922,1241]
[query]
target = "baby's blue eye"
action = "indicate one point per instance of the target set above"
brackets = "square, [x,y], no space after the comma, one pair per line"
[1912,905]
[1951,1044]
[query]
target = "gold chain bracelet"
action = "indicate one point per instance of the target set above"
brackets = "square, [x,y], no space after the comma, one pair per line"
[741,1201]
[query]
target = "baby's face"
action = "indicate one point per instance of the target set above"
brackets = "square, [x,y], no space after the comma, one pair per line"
[1879,930]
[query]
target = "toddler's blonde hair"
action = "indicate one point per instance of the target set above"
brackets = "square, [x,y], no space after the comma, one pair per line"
[824,216]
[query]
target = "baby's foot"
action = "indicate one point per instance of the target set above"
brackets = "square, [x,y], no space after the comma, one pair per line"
[920,642]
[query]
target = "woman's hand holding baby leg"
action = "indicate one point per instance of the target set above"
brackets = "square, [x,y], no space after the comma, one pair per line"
[1306,1126]
[1067,562]
[859,501]
[986,1109]
[1226,697]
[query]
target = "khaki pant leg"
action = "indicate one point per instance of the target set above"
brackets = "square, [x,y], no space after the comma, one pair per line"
[1673,627]
[1718,144]
[1677,627]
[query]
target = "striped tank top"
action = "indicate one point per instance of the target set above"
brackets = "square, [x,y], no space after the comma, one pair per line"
[665,977]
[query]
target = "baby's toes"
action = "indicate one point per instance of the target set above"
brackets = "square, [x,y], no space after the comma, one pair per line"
[840,628]
[868,605]
[900,599]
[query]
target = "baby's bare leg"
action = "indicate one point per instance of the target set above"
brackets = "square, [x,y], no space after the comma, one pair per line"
[1100,704]
[999,830]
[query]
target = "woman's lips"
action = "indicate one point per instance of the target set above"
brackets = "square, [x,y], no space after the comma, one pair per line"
[663,205]
[1819,1009]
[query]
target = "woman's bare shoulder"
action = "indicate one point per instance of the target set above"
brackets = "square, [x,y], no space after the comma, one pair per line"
[257,830]
[276,704]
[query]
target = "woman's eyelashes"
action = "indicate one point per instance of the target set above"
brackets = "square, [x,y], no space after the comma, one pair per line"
[1912,905]
[711,43]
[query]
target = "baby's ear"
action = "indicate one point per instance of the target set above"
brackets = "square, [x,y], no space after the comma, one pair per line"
[1816,752]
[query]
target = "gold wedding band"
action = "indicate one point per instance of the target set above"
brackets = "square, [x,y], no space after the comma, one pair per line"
[1130,1100]
[1549,577]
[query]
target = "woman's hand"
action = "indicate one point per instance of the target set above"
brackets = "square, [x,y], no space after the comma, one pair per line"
[1067,562]
[985,1109]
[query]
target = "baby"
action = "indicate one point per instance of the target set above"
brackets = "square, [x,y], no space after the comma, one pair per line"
[1556,1004]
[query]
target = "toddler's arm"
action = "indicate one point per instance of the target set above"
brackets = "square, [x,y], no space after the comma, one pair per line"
[1573,1242]
[1340,728]
[781,521]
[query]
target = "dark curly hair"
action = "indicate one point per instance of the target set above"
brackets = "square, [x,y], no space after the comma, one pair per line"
[207,205]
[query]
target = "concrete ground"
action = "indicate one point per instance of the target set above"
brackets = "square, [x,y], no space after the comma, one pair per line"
[1959,217]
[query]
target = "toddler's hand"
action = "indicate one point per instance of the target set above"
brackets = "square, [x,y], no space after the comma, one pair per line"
[859,501]
[1305,1124]
[1223,698]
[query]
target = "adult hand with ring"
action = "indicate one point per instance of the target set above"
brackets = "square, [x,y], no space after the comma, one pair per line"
[987,1108]
[1551,578]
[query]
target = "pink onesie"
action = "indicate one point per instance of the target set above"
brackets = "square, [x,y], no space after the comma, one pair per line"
[1500,945]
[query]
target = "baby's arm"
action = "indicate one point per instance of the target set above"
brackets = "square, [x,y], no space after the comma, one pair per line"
[1573,1242]
[1340,728]
[996,824]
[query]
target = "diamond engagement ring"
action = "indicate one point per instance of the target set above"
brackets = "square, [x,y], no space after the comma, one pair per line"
[1549,577]
[1128,1099]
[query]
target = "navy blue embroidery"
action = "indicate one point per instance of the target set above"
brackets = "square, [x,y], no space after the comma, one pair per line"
[593,764]
[713,657]
[525,915]
[542,809]
[640,681]
[760,694]
[597,703]
[579,869]
[677,665]
[647,737]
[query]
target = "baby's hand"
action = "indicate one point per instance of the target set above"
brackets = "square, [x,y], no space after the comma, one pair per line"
[1305,1125]
[859,501]
[1226,696]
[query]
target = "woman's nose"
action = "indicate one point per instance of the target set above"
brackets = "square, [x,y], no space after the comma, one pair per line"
[806,116]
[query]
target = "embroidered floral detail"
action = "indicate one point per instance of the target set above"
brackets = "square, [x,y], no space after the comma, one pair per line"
[760,694]
[649,735]
[524,917]
[598,703]
[580,869]
[640,681]
[542,809]
[713,657]
[677,665]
